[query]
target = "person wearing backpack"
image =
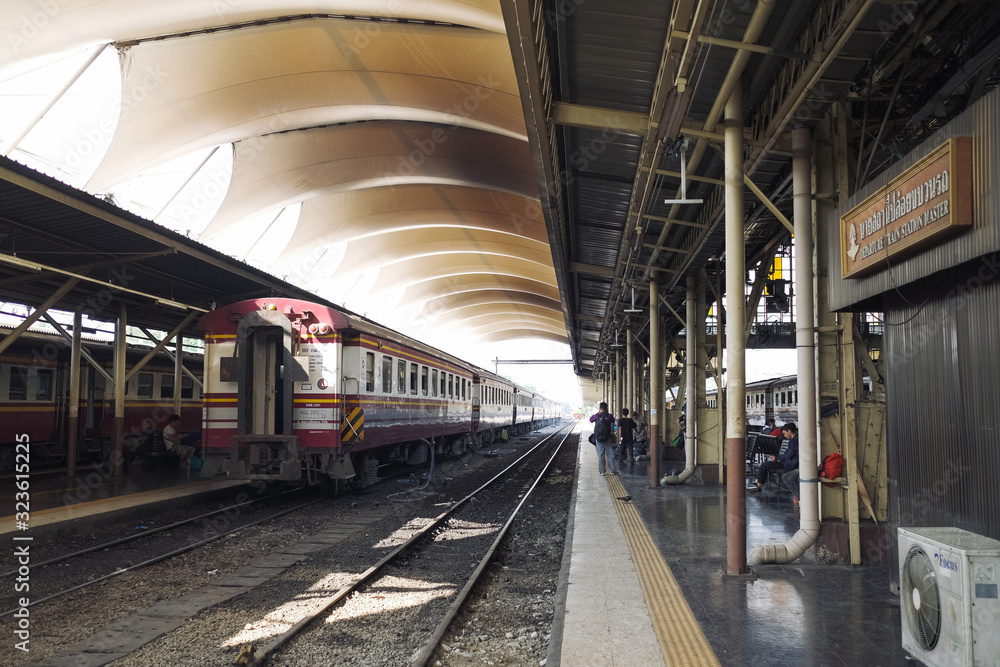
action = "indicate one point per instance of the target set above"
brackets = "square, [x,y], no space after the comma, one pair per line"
[604,438]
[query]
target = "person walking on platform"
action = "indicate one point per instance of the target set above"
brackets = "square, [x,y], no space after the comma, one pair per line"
[604,438]
[626,436]
[789,459]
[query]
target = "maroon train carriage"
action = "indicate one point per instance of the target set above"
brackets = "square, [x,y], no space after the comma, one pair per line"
[34,397]
[301,392]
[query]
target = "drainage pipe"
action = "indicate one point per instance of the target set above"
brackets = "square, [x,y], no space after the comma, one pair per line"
[655,389]
[690,391]
[805,345]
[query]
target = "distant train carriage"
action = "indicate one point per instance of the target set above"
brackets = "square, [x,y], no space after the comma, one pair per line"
[34,396]
[301,392]
[775,397]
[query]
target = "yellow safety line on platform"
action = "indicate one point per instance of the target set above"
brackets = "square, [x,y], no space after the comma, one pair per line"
[680,635]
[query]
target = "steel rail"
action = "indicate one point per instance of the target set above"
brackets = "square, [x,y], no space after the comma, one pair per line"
[157,559]
[264,653]
[139,536]
[424,657]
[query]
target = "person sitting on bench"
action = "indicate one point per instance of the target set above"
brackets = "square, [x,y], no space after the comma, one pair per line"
[172,440]
[789,459]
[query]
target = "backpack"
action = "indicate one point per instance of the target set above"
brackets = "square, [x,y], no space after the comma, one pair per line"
[832,467]
[602,429]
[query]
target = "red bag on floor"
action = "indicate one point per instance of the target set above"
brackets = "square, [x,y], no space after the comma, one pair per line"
[832,467]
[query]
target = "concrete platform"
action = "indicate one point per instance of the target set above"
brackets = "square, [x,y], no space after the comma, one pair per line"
[57,503]
[795,614]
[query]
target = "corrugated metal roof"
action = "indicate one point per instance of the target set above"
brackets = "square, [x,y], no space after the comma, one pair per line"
[608,55]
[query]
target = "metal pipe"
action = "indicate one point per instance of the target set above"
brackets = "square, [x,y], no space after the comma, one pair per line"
[805,344]
[655,391]
[736,424]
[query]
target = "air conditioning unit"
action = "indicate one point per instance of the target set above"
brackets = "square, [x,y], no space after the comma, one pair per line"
[948,581]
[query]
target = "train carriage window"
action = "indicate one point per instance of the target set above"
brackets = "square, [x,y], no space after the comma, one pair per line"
[463,389]
[17,387]
[401,376]
[187,387]
[748,401]
[43,386]
[370,372]
[444,376]
[166,385]
[413,378]
[451,385]
[144,385]
[386,375]
[423,380]
[796,397]
[434,382]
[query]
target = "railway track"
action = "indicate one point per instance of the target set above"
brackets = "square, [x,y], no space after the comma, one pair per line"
[269,575]
[120,567]
[419,557]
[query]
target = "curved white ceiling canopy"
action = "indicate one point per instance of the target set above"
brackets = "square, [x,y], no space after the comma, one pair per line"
[188,93]
[36,29]
[381,164]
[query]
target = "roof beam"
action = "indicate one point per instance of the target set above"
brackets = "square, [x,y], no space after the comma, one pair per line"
[747,46]
[596,118]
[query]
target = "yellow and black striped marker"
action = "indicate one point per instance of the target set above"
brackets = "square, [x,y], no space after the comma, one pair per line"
[353,426]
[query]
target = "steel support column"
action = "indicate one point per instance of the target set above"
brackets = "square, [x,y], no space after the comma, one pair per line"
[655,388]
[736,427]
[629,401]
[73,427]
[178,373]
[118,427]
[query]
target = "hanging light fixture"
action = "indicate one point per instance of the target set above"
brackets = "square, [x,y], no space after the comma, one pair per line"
[633,309]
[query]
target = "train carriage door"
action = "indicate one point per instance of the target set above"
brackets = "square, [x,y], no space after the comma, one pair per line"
[266,371]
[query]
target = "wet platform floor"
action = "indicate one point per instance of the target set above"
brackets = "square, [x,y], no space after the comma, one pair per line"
[800,613]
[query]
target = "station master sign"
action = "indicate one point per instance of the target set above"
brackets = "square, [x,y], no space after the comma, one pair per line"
[927,203]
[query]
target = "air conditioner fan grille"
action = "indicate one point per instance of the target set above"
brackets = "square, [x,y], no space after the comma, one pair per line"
[920,599]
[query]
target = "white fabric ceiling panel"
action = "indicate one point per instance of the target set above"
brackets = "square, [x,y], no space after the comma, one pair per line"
[388,249]
[298,166]
[444,288]
[459,266]
[34,29]
[190,93]
[348,216]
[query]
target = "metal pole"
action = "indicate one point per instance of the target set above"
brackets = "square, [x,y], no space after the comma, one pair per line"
[73,430]
[178,373]
[118,428]
[629,401]
[736,429]
[655,391]
[619,383]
